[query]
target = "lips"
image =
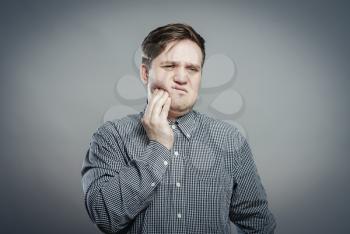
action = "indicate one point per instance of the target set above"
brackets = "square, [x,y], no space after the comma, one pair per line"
[179,88]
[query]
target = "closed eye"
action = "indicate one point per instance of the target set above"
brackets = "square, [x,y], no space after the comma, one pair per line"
[193,69]
[168,67]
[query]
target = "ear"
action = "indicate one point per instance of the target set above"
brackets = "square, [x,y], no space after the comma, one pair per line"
[144,73]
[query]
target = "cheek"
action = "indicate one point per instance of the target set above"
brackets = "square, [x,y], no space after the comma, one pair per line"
[158,84]
[196,85]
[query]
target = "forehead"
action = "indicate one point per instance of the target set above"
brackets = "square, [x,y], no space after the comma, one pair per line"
[184,51]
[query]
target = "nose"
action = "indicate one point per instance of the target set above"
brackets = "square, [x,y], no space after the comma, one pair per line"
[181,76]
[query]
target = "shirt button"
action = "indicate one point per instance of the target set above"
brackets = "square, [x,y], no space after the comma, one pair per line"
[165,163]
[179,215]
[153,184]
[173,126]
[178,184]
[176,153]
[188,135]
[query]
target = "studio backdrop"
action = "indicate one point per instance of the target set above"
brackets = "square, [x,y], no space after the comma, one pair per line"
[277,70]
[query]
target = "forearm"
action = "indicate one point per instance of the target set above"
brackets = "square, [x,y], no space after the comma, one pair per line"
[115,197]
[249,205]
[253,216]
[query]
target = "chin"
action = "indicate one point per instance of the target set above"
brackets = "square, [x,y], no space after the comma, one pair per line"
[179,107]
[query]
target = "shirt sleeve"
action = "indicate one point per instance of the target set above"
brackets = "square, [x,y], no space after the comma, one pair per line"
[116,189]
[249,206]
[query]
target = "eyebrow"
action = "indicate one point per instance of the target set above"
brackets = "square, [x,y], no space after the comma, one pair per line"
[187,64]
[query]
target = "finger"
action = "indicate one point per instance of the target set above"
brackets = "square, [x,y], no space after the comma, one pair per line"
[154,101]
[158,105]
[166,108]
[148,111]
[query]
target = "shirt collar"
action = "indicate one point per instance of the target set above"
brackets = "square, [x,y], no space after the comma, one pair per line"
[187,123]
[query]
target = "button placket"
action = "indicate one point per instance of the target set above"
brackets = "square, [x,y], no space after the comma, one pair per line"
[173,160]
[176,183]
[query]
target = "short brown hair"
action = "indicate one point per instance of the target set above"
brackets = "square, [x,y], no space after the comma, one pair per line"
[157,40]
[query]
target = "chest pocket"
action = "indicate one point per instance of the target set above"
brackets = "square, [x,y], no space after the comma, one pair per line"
[205,158]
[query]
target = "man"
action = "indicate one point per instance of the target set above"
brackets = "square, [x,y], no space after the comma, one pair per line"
[171,169]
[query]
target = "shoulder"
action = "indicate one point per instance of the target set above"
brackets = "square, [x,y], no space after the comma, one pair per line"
[215,124]
[227,132]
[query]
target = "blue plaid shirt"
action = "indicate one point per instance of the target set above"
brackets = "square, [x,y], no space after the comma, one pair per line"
[136,185]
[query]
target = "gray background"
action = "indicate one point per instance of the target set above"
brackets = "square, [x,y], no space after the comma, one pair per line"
[60,61]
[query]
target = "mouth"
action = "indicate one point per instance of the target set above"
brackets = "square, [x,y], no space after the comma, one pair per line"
[179,89]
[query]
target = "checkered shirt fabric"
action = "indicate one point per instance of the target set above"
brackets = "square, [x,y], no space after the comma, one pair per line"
[135,185]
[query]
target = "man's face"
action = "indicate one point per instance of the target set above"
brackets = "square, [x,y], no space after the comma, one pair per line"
[178,71]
